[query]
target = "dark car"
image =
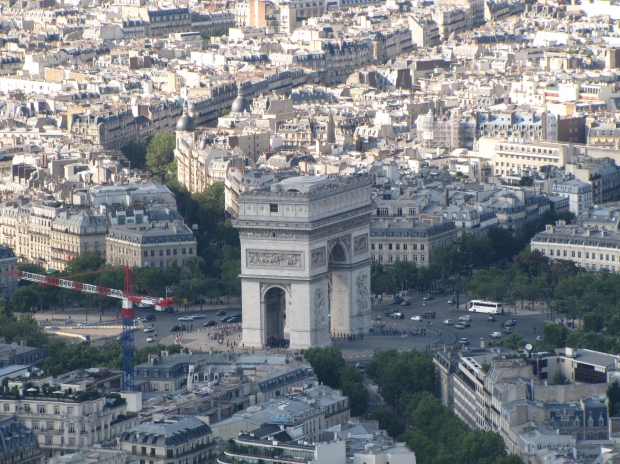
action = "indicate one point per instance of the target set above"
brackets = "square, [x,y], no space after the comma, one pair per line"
[199,301]
[150,317]
[221,312]
[405,303]
[389,312]
[225,319]
[169,310]
[175,328]
[510,323]
[209,324]
[234,319]
[428,297]
[398,300]
[239,315]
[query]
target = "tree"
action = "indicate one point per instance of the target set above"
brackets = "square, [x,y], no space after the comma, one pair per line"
[327,363]
[593,322]
[87,262]
[389,422]
[513,341]
[160,153]
[554,335]
[26,298]
[358,396]
[560,379]
[135,153]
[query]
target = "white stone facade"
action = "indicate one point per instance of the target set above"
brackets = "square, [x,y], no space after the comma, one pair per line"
[305,262]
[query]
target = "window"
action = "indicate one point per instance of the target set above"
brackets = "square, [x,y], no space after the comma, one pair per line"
[389,246]
[422,247]
[372,246]
[182,251]
[167,387]
[191,251]
[6,408]
[71,428]
[168,252]
[56,409]
[42,409]
[382,211]
[146,253]
[152,252]
[35,425]
[380,246]
[71,441]
[50,425]
[48,440]
[412,211]
[398,246]
[161,252]
[273,208]
[174,252]
[399,211]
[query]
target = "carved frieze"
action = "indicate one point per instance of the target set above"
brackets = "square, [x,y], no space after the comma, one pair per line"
[318,258]
[274,259]
[360,244]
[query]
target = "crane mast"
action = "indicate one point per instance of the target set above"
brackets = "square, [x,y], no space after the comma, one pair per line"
[127,314]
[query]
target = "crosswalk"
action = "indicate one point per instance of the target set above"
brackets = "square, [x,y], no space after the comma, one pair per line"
[376,403]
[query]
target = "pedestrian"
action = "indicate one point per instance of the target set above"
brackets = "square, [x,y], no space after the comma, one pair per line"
[192,329]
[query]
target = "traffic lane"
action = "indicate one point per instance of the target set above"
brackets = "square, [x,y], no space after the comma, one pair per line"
[527,321]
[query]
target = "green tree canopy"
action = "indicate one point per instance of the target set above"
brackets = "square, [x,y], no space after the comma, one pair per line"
[554,335]
[327,363]
[160,154]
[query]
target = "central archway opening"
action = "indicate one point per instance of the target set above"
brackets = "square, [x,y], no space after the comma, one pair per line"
[275,316]
[338,291]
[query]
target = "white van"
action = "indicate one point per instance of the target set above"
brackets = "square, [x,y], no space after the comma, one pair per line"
[496,335]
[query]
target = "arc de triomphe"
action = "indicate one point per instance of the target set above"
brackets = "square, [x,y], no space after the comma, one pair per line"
[305,262]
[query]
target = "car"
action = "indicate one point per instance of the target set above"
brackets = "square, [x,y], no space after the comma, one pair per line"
[234,319]
[465,318]
[360,365]
[417,318]
[428,297]
[199,301]
[209,324]
[144,305]
[508,330]
[389,312]
[491,318]
[406,303]
[464,341]
[539,339]
[150,339]
[398,300]
[429,314]
[149,329]
[150,317]
[451,301]
[169,310]
[83,324]
[186,318]
[142,319]
[239,315]
[198,316]
[496,335]
[175,328]
[221,312]
[459,326]
[448,322]
[510,323]
[225,319]
[397,315]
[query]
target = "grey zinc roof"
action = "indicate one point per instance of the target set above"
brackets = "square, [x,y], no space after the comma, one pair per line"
[168,431]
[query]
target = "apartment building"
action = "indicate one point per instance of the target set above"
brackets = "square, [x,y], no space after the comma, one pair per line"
[64,417]
[169,439]
[8,261]
[590,248]
[579,194]
[424,31]
[404,239]
[18,444]
[154,247]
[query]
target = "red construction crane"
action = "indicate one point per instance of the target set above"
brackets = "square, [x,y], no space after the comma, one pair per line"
[127,297]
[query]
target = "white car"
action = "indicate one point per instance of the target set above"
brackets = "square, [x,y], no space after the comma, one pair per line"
[496,335]
[465,318]
[186,318]
[83,324]
[149,329]
[198,316]
[150,339]
[417,318]
[464,341]
[448,322]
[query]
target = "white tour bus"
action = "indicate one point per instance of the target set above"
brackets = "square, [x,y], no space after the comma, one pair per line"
[488,307]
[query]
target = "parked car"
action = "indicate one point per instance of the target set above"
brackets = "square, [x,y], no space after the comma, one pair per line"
[448,322]
[360,365]
[466,323]
[464,341]
[234,319]
[398,300]
[397,315]
[491,318]
[209,324]
[406,303]
[149,329]
[198,316]
[539,339]
[186,318]
[199,301]
[142,319]
[417,318]
[175,328]
[225,319]
[83,324]
[459,326]
[221,312]
[428,297]
[168,310]
[465,318]
[496,335]
[150,339]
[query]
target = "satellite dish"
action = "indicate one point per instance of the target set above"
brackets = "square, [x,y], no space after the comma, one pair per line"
[528,347]
[14,345]
[27,374]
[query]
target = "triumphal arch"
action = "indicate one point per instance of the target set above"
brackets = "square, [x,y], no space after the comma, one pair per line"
[305,262]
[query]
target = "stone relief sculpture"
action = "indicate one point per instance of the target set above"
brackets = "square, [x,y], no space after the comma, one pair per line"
[319,307]
[360,244]
[259,258]
[362,292]
[318,257]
